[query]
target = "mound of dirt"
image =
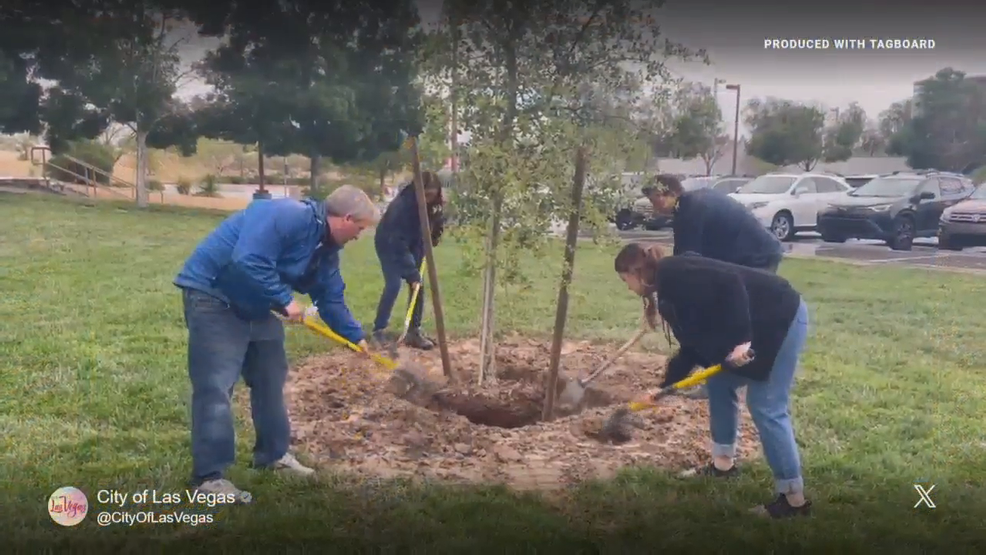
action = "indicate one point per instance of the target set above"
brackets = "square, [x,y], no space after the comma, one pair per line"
[347,414]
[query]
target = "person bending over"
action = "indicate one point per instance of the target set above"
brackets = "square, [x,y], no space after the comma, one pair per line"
[241,272]
[718,311]
[400,248]
[707,222]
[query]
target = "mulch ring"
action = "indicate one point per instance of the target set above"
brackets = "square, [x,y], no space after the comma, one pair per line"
[347,415]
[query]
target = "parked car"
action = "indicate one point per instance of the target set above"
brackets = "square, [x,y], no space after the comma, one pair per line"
[964,224]
[896,208]
[855,181]
[789,203]
[642,212]
[731,184]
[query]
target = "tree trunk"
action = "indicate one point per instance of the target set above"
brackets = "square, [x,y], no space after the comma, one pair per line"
[487,362]
[487,346]
[260,167]
[141,181]
[561,311]
[383,179]
[313,180]
[455,104]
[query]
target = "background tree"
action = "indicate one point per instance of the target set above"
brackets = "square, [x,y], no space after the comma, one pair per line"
[872,142]
[842,137]
[785,132]
[697,129]
[949,131]
[116,64]
[322,80]
[892,120]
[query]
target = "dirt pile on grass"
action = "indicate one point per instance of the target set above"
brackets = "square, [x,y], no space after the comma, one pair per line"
[346,414]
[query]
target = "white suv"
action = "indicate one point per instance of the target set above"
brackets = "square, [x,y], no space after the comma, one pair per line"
[788,203]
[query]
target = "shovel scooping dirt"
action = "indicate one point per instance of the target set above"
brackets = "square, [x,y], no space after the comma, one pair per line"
[617,427]
[574,390]
[406,378]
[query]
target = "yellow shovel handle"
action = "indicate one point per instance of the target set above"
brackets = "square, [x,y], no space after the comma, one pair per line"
[324,330]
[694,379]
[414,299]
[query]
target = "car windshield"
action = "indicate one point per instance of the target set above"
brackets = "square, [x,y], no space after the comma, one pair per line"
[768,185]
[979,193]
[888,187]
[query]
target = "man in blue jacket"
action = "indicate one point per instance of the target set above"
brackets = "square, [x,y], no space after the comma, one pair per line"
[711,224]
[401,249]
[245,269]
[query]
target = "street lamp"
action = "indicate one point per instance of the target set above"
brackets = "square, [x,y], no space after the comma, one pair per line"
[735,124]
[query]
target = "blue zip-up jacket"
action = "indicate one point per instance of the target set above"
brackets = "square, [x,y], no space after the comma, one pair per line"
[398,235]
[716,226]
[256,257]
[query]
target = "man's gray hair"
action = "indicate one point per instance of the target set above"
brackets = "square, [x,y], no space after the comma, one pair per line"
[354,202]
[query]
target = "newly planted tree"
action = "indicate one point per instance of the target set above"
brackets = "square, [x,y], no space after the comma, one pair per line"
[520,82]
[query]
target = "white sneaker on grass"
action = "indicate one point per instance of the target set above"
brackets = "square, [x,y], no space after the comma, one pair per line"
[288,464]
[225,487]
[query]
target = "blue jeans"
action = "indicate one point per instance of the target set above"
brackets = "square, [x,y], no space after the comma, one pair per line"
[392,283]
[769,405]
[222,346]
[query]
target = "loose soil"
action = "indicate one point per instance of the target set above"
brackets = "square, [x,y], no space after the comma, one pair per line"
[352,415]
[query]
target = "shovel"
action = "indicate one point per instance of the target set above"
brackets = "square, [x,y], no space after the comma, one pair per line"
[403,372]
[617,427]
[575,390]
[410,307]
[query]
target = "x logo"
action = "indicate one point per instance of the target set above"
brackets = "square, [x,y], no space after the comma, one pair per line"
[925,495]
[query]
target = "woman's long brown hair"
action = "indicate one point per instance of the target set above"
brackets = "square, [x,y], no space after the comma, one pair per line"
[641,261]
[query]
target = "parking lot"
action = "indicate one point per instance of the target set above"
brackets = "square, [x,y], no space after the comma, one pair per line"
[925,253]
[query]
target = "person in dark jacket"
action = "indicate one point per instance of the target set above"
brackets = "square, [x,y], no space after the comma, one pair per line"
[718,311]
[401,250]
[241,272]
[710,223]
[707,222]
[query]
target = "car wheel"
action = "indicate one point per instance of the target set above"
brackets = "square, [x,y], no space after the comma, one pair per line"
[624,220]
[903,238]
[944,243]
[782,226]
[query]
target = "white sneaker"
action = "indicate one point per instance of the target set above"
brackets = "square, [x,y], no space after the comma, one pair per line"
[290,465]
[225,487]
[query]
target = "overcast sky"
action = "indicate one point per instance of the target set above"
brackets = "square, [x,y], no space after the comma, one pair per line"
[734,35]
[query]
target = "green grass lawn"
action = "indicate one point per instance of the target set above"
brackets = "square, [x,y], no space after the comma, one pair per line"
[93,393]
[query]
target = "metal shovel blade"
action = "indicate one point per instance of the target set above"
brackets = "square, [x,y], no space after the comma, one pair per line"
[572,394]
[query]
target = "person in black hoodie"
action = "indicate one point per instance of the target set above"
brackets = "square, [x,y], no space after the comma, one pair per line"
[400,248]
[718,311]
[714,225]
[707,222]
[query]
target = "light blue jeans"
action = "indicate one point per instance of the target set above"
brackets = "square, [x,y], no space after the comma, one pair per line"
[769,405]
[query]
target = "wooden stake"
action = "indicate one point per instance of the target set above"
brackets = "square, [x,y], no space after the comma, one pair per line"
[561,312]
[436,297]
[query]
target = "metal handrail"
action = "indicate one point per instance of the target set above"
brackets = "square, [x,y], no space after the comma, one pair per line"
[112,178]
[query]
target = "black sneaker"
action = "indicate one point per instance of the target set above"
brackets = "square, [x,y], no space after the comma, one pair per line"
[416,340]
[780,508]
[710,471]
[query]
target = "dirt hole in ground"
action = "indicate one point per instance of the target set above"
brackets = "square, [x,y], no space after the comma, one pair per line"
[349,414]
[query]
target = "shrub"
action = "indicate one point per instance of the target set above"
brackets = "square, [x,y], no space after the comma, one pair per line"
[183,186]
[92,153]
[209,187]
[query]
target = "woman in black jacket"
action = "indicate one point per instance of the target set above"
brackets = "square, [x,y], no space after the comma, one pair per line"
[717,311]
